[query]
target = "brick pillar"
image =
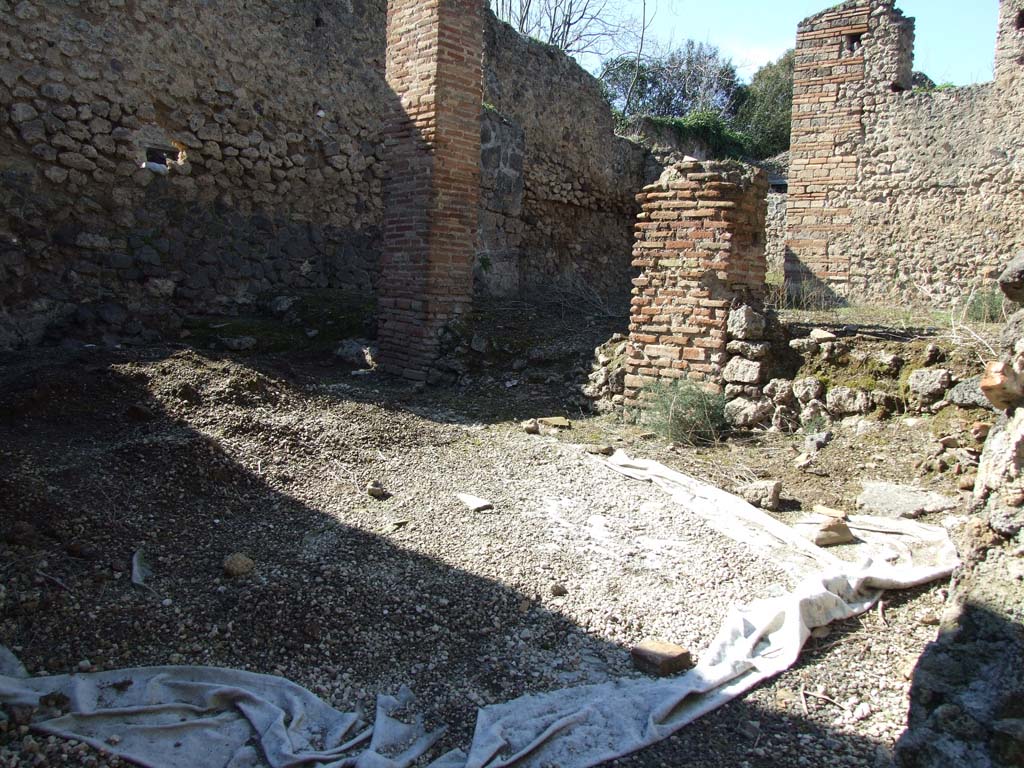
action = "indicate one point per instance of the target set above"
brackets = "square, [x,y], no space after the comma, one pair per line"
[432,189]
[827,110]
[849,60]
[700,240]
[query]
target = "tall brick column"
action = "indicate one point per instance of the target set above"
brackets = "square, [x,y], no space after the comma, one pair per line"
[848,59]
[432,190]
[700,240]
[826,126]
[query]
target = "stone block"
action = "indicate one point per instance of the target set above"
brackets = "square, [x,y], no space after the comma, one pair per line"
[806,347]
[763,493]
[892,500]
[833,532]
[808,388]
[747,413]
[746,324]
[815,415]
[845,401]
[969,394]
[739,370]
[22,113]
[748,349]
[786,419]
[929,384]
[780,391]
[1002,385]
[77,161]
[1011,281]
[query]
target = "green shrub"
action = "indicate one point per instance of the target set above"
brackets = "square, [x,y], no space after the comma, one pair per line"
[814,424]
[782,294]
[985,307]
[775,290]
[713,130]
[684,412]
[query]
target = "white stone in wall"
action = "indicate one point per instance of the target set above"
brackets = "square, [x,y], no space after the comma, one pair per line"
[742,371]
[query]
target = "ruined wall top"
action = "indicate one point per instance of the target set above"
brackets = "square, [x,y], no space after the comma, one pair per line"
[884,36]
[869,36]
[896,192]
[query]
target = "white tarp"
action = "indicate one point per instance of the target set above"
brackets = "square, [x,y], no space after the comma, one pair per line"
[915,551]
[173,717]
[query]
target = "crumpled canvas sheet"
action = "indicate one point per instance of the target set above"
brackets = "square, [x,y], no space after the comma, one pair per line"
[915,550]
[173,717]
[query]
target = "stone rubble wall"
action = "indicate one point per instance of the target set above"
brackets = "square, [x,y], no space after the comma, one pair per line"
[775,232]
[895,194]
[270,116]
[700,252]
[967,692]
[665,144]
[939,199]
[502,153]
[579,178]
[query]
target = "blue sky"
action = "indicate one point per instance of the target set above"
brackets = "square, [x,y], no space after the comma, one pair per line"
[955,40]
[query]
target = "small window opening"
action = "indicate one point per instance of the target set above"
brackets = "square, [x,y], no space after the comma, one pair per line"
[853,43]
[159,159]
[157,156]
[319,22]
[1019,23]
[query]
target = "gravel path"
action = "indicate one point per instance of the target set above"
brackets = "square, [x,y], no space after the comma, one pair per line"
[192,458]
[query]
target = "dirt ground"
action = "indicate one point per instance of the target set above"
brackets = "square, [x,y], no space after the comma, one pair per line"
[191,455]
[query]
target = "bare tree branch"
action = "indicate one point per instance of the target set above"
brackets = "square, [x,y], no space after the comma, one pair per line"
[596,27]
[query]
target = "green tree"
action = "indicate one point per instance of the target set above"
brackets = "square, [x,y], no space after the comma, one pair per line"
[695,77]
[766,107]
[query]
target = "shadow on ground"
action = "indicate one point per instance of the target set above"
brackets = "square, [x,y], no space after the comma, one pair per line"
[104,454]
[967,698]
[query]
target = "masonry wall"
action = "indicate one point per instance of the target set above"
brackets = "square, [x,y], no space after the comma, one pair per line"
[775,232]
[894,194]
[498,267]
[579,179]
[276,113]
[700,252]
[269,114]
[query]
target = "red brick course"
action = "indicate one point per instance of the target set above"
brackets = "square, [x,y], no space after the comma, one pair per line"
[700,248]
[432,189]
[825,128]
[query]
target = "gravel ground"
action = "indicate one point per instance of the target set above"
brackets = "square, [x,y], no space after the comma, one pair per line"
[191,457]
